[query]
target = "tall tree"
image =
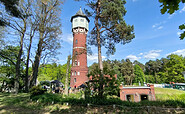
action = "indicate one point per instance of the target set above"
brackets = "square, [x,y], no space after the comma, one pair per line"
[47,13]
[67,75]
[110,27]
[153,67]
[12,9]
[170,6]
[139,75]
[127,71]
[175,67]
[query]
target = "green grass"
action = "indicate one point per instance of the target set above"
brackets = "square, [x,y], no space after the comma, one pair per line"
[163,94]
[21,103]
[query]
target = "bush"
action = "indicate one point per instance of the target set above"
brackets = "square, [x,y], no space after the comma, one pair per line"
[48,98]
[37,90]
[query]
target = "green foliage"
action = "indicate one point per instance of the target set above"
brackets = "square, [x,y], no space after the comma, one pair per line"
[109,82]
[127,70]
[52,72]
[110,26]
[182,35]
[175,67]
[170,6]
[37,90]
[139,75]
[12,8]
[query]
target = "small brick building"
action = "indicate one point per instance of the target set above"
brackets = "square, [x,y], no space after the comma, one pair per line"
[137,93]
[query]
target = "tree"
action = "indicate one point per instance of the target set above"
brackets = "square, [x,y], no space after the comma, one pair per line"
[12,9]
[175,67]
[140,64]
[170,6]
[139,75]
[8,57]
[110,27]
[127,71]
[67,75]
[49,27]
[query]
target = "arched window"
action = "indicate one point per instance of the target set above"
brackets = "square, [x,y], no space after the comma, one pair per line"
[75,73]
[76,41]
[74,79]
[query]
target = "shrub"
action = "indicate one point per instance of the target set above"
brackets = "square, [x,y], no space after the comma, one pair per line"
[37,90]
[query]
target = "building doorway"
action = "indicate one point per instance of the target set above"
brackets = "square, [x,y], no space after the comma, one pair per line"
[144,97]
[130,98]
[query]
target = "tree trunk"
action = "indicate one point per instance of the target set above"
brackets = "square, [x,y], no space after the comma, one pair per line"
[17,66]
[27,65]
[37,62]
[100,63]
[67,75]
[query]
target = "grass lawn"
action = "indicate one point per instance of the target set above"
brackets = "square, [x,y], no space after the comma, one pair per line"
[169,94]
[21,104]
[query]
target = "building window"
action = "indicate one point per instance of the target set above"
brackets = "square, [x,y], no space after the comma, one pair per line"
[82,20]
[75,73]
[76,20]
[72,73]
[76,53]
[74,80]
[76,41]
[76,63]
[78,73]
[130,98]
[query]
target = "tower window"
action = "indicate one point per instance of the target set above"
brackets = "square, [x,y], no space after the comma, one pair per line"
[82,20]
[76,53]
[78,73]
[76,41]
[76,63]
[74,80]
[76,20]
[75,73]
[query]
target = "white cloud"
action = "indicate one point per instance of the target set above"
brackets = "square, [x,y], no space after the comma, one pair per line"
[133,57]
[178,33]
[141,54]
[68,38]
[182,10]
[94,57]
[160,27]
[171,15]
[153,54]
[178,52]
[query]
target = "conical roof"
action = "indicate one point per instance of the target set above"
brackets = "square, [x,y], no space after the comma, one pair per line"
[80,14]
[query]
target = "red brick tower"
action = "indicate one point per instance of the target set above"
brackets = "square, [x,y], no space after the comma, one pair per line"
[79,70]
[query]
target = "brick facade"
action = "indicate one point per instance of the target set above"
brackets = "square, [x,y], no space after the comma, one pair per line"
[137,92]
[79,68]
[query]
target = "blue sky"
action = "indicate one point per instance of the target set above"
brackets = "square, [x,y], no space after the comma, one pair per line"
[156,35]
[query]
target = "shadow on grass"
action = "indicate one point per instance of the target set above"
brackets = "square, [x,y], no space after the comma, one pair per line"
[55,103]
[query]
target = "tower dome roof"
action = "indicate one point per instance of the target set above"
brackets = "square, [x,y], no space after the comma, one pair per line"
[80,14]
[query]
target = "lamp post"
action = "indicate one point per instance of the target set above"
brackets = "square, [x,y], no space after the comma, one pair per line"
[183,74]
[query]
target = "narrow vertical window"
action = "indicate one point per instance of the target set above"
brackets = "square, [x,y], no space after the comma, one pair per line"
[76,41]
[74,80]
[76,63]
[76,53]
[78,73]
[75,73]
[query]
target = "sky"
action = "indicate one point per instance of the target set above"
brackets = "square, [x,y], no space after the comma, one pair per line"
[156,35]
